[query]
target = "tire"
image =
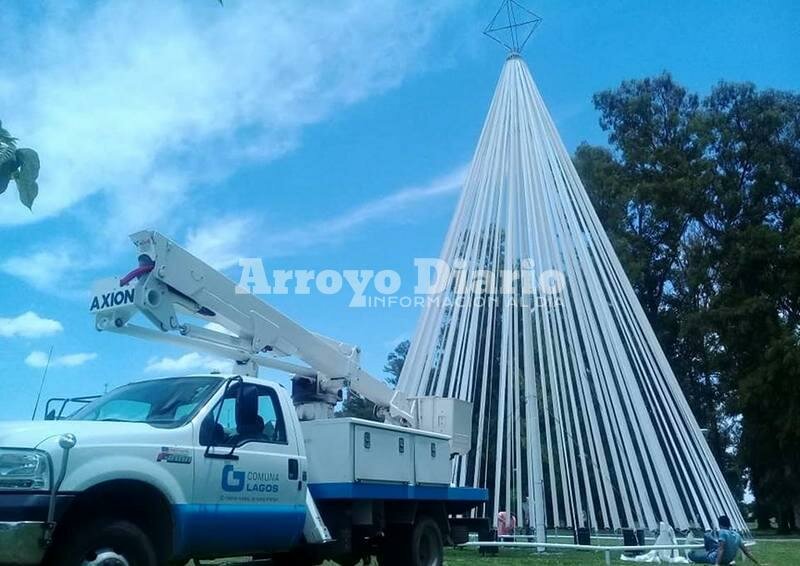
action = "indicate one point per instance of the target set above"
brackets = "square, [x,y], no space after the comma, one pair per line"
[108,542]
[420,545]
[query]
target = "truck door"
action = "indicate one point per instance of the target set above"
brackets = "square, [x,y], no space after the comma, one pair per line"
[249,493]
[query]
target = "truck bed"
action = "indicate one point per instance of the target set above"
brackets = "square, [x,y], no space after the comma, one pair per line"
[346,451]
[358,460]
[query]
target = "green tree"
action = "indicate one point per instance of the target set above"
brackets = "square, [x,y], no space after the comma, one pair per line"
[395,362]
[20,165]
[750,215]
[701,199]
[646,189]
[356,406]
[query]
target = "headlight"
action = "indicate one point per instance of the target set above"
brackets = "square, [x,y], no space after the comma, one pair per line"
[24,470]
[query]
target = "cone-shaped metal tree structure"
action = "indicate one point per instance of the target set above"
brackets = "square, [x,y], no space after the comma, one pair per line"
[579,420]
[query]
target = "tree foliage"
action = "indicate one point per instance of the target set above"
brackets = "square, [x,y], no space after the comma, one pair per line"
[700,198]
[20,165]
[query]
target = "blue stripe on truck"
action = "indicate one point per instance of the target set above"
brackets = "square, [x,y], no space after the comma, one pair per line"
[323,491]
[236,529]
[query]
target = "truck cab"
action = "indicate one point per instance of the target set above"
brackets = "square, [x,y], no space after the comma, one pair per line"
[209,466]
[197,466]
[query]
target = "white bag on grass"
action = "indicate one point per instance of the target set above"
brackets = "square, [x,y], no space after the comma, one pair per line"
[666,536]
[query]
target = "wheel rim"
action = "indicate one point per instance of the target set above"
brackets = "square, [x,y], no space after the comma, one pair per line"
[107,557]
[428,554]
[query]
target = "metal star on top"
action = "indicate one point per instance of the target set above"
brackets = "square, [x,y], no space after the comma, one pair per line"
[512,25]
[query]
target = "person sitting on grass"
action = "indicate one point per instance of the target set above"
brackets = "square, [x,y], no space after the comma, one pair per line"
[723,549]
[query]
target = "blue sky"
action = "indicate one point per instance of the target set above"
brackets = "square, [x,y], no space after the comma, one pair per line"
[331,135]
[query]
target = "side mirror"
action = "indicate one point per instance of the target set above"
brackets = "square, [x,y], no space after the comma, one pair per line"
[207,429]
[248,421]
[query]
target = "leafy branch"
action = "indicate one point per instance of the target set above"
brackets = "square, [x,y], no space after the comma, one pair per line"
[20,165]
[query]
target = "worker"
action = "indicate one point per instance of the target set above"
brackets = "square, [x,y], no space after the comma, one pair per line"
[506,523]
[723,549]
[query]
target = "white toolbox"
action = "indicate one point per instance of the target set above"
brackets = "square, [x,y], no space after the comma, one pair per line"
[356,450]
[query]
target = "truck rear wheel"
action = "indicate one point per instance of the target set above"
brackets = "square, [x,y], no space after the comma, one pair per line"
[106,543]
[420,545]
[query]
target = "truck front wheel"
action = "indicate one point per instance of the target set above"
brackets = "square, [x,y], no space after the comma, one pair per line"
[106,543]
[420,545]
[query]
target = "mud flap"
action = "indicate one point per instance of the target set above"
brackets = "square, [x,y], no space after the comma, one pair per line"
[314,530]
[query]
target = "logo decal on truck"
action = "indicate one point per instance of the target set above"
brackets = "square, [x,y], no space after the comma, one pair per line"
[174,456]
[234,480]
[113,299]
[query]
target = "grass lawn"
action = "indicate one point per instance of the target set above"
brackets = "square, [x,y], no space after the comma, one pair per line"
[767,552]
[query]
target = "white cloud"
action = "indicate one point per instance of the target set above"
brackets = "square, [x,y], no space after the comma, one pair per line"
[396,202]
[60,268]
[72,360]
[220,243]
[38,359]
[391,206]
[134,103]
[44,270]
[191,362]
[29,325]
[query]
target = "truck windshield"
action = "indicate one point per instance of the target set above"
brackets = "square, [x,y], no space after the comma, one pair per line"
[168,402]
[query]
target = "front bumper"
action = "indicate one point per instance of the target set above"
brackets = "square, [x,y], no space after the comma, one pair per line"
[23,525]
[22,543]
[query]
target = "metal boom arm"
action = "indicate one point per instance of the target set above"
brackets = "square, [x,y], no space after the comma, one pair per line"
[170,279]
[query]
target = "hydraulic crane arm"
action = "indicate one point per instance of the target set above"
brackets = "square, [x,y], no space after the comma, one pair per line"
[170,280]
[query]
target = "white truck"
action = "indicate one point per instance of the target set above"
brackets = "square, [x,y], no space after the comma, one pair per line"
[209,466]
